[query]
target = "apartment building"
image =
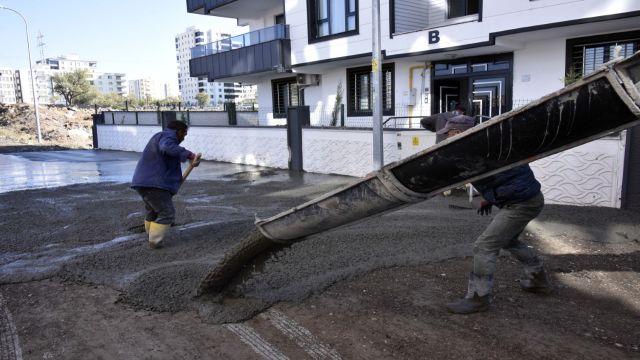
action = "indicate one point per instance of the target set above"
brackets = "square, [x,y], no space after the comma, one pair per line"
[10,86]
[45,69]
[141,88]
[111,83]
[489,56]
[189,86]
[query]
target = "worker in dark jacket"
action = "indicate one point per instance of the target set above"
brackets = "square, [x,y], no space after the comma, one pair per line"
[158,177]
[517,193]
[437,122]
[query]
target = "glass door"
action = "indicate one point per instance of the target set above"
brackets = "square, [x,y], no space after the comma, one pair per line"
[488,97]
[447,95]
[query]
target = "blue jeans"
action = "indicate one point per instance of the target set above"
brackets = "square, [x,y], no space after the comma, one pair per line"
[159,205]
[503,233]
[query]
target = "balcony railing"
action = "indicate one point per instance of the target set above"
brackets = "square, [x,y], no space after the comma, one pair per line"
[276,32]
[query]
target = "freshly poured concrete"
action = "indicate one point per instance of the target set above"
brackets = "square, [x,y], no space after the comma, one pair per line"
[384,279]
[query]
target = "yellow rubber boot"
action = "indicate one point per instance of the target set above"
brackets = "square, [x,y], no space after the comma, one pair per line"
[147,224]
[157,233]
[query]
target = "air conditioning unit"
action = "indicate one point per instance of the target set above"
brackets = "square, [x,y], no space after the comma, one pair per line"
[308,80]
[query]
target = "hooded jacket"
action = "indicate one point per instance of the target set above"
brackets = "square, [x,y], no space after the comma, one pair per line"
[159,167]
[509,187]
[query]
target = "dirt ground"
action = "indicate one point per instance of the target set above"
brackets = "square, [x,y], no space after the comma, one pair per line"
[78,280]
[60,128]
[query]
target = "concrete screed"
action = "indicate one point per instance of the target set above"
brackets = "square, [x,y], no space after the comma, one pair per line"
[92,234]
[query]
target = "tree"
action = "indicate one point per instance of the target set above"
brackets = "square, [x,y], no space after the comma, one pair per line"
[202,98]
[73,86]
[132,101]
[336,105]
[112,100]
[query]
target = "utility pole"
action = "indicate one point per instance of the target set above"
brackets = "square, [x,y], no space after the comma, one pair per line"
[33,75]
[41,45]
[376,89]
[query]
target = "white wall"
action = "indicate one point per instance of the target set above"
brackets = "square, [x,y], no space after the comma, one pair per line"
[590,174]
[263,147]
[125,137]
[267,19]
[345,152]
[538,69]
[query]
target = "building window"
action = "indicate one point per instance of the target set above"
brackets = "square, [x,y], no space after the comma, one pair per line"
[359,91]
[285,93]
[458,8]
[586,55]
[329,19]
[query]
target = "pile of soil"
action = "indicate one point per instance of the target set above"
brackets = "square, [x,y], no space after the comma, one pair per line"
[61,128]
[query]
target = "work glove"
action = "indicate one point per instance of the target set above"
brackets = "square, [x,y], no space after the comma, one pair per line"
[485,208]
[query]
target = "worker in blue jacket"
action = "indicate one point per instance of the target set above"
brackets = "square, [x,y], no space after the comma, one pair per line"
[158,177]
[516,192]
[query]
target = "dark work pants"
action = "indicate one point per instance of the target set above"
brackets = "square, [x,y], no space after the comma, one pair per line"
[503,233]
[159,205]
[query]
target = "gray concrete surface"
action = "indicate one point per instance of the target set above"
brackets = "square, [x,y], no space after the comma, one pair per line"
[90,233]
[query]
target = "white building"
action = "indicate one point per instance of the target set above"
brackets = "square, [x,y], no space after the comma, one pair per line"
[44,70]
[10,86]
[169,90]
[141,89]
[145,88]
[111,83]
[189,87]
[490,56]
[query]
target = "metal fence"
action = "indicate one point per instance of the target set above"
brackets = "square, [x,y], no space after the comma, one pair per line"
[401,117]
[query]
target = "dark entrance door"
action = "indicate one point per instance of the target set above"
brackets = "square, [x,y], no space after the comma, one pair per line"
[480,84]
[631,200]
[489,97]
[448,94]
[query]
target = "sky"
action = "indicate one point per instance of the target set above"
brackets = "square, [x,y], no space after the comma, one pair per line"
[135,37]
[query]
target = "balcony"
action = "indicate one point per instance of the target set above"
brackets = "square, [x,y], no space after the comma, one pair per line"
[258,51]
[233,8]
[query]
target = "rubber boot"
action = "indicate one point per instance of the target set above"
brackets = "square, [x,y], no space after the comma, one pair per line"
[536,281]
[478,296]
[157,233]
[147,223]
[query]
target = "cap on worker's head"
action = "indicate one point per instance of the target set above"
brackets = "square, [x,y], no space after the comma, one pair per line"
[460,122]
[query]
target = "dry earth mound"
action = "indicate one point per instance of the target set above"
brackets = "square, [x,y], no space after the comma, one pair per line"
[61,127]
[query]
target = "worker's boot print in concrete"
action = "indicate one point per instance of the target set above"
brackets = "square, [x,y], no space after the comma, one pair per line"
[157,233]
[478,296]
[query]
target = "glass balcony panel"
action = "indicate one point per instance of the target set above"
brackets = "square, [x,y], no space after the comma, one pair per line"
[275,32]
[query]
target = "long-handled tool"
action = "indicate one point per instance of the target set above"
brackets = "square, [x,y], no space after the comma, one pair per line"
[194,163]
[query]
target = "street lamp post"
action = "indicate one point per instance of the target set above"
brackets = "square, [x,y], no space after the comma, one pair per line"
[376,88]
[33,84]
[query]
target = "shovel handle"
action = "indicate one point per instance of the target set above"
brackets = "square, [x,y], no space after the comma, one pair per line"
[195,162]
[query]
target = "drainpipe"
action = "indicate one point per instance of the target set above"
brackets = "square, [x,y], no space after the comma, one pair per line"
[411,86]
[423,75]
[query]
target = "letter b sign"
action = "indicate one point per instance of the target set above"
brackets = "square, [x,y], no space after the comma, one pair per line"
[434,37]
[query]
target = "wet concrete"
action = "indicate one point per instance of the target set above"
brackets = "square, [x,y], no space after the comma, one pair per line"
[219,204]
[47,169]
